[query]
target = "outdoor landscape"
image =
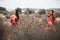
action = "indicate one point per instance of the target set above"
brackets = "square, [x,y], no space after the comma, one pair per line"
[31,27]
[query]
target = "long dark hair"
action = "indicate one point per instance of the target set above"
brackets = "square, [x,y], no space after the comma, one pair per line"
[17,14]
[52,12]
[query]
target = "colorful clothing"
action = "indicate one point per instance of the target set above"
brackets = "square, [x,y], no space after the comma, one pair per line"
[51,19]
[13,19]
[51,23]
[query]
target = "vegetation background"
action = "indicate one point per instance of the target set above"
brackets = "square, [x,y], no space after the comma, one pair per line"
[32,26]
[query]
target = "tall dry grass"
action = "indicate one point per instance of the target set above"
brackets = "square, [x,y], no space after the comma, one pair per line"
[31,28]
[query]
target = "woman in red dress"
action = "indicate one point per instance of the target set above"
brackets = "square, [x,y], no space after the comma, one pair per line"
[14,18]
[50,20]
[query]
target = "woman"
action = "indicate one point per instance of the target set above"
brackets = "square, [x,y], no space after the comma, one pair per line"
[50,20]
[14,18]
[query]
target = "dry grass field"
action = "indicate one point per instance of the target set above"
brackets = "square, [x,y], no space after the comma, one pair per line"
[30,28]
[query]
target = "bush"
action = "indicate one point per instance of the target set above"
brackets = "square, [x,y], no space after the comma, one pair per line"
[2,8]
[57,14]
[41,11]
[19,10]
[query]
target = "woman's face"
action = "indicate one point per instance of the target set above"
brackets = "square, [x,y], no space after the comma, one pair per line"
[47,13]
[51,13]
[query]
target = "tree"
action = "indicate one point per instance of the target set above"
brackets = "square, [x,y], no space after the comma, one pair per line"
[41,11]
[2,8]
[57,14]
[19,10]
[29,11]
[33,11]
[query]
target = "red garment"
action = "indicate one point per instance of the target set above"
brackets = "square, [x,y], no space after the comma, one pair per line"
[52,21]
[13,19]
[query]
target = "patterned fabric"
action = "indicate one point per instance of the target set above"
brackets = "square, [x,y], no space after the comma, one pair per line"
[51,19]
[51,23]
[13,19]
